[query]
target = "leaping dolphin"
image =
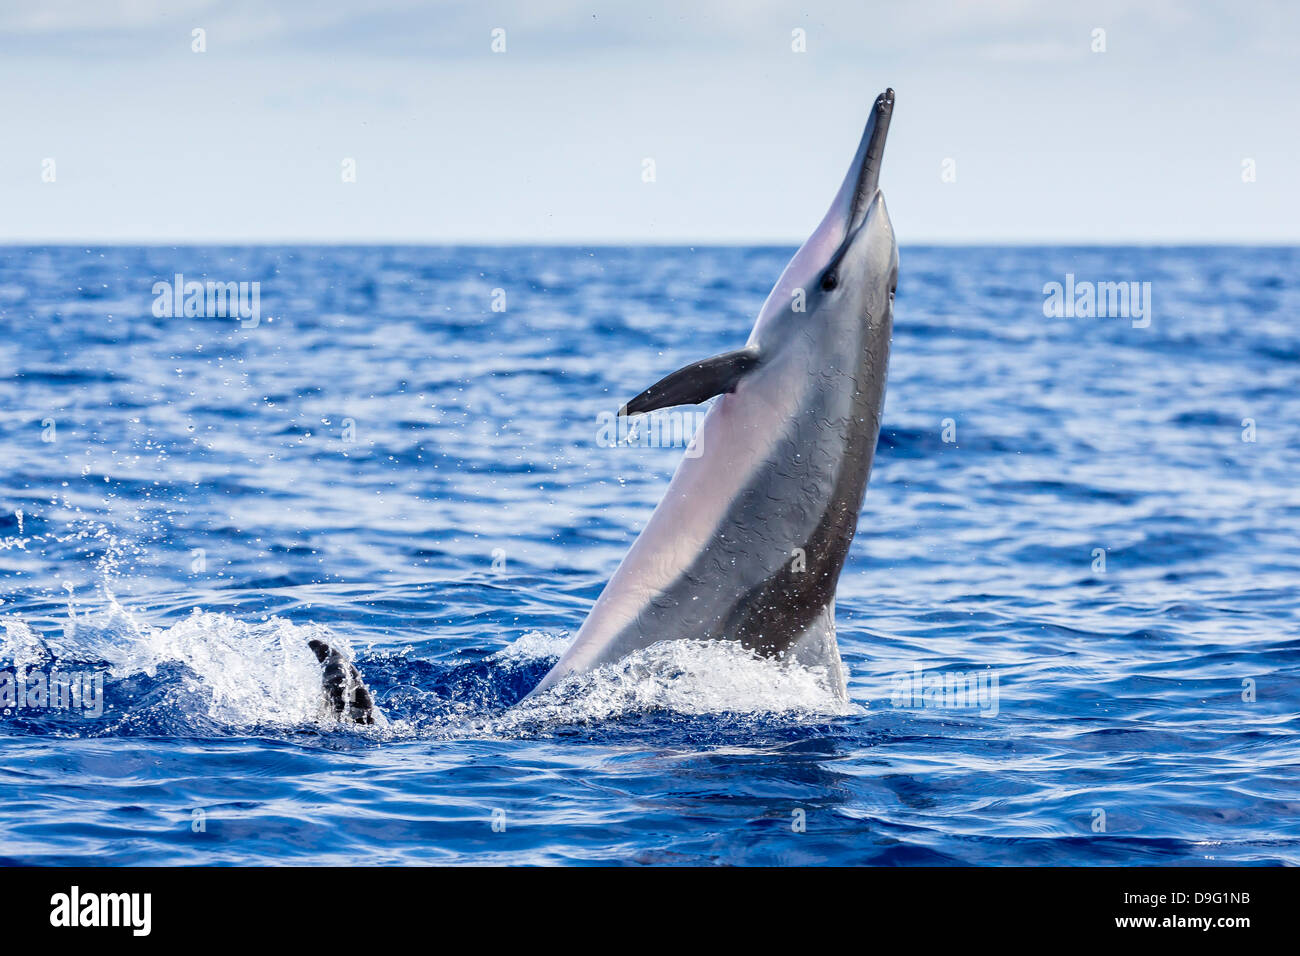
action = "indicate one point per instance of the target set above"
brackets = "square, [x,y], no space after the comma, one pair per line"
[750,538]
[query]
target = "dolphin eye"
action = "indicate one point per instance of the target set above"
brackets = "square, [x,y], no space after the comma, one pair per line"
[829,281]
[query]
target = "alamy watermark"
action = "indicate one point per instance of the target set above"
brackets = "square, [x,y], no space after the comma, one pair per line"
[75,908]
[947,690]
[663,429]
[1103,300]
[213,300]
[23,689]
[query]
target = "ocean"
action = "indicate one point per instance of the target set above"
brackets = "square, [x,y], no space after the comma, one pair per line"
[1069,617]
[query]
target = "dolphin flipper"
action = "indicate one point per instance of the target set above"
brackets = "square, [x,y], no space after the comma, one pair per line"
[695,383]
[345,692]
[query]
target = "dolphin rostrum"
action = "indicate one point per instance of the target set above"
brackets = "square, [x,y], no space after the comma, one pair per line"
[749,540]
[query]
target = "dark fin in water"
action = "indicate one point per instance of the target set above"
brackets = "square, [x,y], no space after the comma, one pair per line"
[348,696]
[696,383]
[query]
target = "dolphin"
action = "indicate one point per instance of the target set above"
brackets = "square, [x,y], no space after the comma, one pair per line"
[344,693]
[749,540]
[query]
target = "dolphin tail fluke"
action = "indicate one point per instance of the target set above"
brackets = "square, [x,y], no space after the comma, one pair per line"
[345,693]
[695,383]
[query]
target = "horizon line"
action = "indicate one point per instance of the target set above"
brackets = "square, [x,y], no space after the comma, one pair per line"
[646,243]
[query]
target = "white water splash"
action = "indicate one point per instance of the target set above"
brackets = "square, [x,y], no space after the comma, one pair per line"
[237,673]
[684,677]
[262,674]
[532,646]
[21,645]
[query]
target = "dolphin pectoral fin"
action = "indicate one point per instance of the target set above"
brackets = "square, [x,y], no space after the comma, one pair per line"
[695,383]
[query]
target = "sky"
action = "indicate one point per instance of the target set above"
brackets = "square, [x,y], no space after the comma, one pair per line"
[1010,126]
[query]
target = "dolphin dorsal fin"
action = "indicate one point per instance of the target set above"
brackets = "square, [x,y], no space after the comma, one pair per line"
[695,383]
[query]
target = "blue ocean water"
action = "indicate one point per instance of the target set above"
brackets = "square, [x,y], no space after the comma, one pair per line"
[1096,525]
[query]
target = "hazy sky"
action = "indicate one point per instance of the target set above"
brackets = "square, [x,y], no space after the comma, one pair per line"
[546,141]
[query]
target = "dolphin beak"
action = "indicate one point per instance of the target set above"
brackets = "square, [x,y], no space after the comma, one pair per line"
[863,178]
[847,213]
